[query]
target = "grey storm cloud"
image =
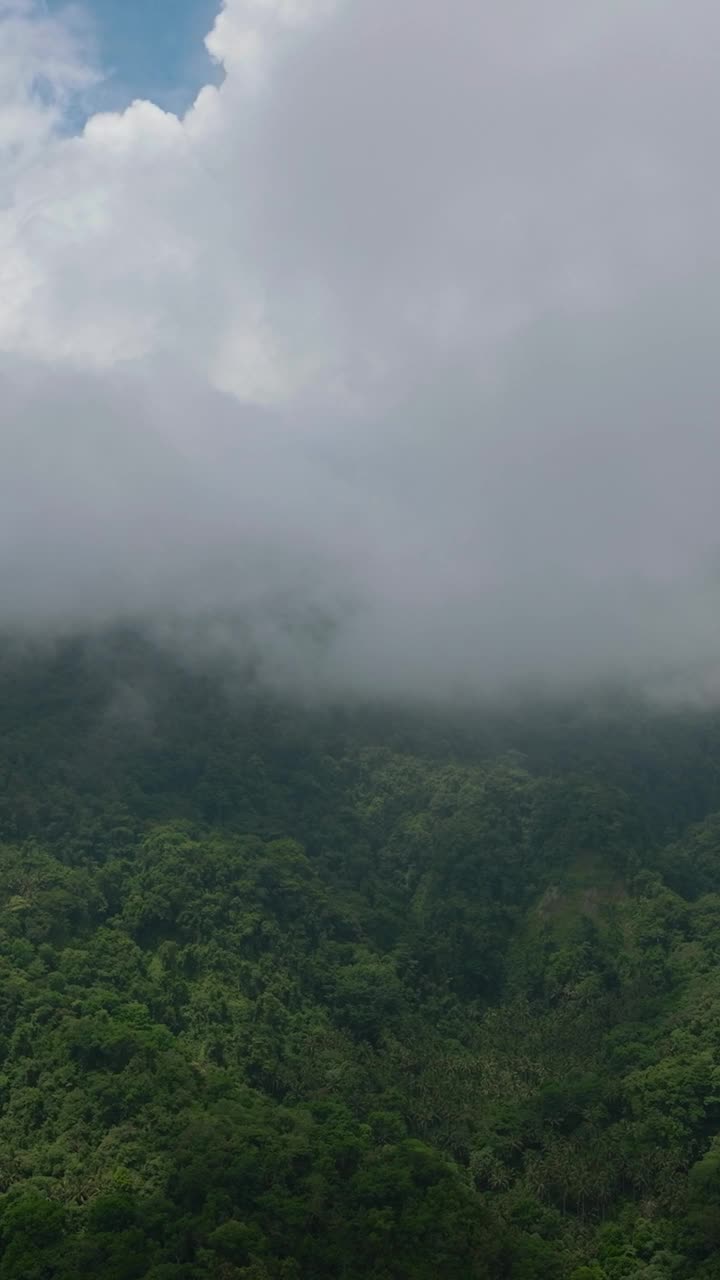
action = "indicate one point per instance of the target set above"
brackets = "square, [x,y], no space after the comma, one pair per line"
[407,329]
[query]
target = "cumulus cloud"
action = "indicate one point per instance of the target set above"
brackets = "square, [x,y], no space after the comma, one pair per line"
[407,326]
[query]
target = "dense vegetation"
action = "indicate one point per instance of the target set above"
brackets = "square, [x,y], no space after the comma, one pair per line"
[290,993]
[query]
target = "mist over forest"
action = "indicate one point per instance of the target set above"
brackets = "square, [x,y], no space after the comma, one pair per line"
[407,323]
[359,618]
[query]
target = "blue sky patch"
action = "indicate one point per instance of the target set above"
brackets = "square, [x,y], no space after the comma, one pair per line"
[150,49]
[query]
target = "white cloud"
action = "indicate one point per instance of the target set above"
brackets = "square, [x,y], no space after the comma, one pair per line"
[43,63]
[245,32]
[456,267]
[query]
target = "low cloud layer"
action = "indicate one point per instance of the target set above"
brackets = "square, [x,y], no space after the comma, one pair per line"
[405,334]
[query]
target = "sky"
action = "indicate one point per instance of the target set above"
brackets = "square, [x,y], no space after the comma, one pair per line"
[145,48]
[390,324]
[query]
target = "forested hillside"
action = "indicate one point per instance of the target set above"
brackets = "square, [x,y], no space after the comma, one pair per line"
[291,993]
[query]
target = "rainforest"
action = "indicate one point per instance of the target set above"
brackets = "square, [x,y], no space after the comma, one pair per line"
[357,991]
